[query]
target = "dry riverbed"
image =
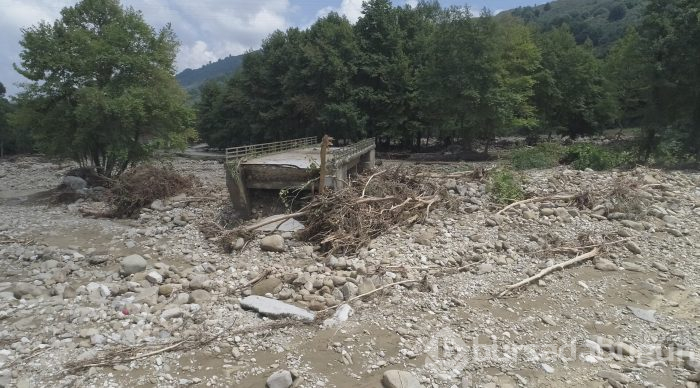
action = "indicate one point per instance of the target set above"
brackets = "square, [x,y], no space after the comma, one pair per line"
[152,301]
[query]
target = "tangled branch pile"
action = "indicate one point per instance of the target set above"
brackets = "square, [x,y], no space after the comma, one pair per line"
[144,184]
[345,220]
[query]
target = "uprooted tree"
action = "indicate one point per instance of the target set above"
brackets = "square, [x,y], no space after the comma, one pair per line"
[102,88]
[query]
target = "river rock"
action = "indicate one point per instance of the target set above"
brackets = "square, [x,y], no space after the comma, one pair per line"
[133,264]
[266,286]
[272,243]
[280,379]
[399,379]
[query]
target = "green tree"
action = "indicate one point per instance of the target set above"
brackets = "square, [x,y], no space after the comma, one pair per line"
[627,69]
[102,88]
[570,94]
[383,70]
[671,32]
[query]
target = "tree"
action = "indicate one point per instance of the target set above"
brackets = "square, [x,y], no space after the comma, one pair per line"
[671,30]
[627,69]
[570,93]
[383,70]
[102,88]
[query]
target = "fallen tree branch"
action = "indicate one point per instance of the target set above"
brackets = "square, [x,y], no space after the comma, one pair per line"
[577,249]
[372,292]
[369,180]
[578,259]
[254,281]
[538,199]
[281,217]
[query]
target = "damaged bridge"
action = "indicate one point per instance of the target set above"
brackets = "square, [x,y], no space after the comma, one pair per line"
[291,163]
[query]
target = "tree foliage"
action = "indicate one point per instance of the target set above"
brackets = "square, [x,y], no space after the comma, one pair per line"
[102,88]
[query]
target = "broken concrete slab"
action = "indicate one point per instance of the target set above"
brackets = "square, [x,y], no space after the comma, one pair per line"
[645,315]
[274,308]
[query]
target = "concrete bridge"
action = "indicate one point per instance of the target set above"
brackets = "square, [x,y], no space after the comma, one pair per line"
[291,164]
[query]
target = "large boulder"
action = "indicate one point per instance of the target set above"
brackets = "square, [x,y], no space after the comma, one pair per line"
[272,243]
[74,183]
[280,379]
[133,264]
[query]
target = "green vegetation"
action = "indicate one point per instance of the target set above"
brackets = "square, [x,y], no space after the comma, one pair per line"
[505,186]
[595,157]
[404,74]
[602,22]
[545,155]
[102,88]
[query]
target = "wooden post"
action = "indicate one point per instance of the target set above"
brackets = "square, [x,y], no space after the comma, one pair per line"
[325,143]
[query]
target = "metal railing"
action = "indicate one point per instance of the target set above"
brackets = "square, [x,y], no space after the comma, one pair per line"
[341,155]
[256,150]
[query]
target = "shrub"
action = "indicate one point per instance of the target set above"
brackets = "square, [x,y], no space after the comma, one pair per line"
[505,187]
[144,184]
[543,155]
[595,157]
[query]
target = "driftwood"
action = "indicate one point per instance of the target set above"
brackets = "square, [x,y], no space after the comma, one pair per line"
[281,217]
[578,259]
[372,292]
[125,354]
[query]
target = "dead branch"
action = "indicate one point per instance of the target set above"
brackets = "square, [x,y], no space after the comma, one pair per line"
[372,292]
[538,199]
[578,249]
[125,354]
[369,180]
[255,281]
[578,259]
[281,217]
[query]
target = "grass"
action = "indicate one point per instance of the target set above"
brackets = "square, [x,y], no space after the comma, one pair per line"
[505,187]
[579,156]
[544,155]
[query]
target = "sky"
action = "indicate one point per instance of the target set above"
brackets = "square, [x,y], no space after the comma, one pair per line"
[207,29]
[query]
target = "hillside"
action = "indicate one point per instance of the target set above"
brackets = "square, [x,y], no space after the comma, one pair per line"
[601,21]
[192,79]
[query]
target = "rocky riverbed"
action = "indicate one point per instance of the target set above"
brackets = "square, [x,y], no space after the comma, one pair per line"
[155,301]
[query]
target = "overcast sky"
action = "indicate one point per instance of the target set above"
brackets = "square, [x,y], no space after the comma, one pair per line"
[207,29]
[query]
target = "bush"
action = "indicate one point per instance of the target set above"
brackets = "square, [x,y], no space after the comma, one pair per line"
[545,155]
[144,184]
[595,157]
[504,186]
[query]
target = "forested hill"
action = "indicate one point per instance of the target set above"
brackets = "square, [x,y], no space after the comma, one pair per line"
[194,78]
[601,21]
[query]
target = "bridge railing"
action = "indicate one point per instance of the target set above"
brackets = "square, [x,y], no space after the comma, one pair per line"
[248,151]
[347,152]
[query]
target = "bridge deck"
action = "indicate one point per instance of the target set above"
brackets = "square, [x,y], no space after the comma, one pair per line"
[299,157]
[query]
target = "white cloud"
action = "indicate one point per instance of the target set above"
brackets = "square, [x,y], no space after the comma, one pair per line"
[195,55]
[207,29]
[351,9]
[412,3]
